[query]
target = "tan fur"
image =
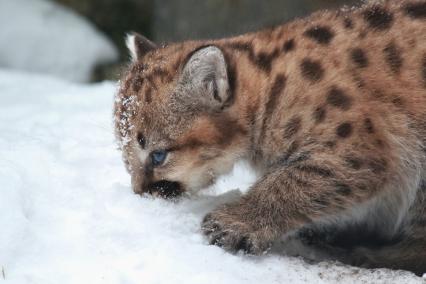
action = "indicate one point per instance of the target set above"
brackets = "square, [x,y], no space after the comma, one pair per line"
[330,109]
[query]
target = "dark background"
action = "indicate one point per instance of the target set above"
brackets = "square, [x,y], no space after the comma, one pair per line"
[168,20]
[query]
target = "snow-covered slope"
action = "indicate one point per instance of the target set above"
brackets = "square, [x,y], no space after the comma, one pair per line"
[44,37]
[68,214]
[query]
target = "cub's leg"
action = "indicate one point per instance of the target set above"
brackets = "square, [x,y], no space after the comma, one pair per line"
[410,252]
[312,188]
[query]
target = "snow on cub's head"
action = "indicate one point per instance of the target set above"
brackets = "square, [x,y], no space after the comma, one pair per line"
[174,117]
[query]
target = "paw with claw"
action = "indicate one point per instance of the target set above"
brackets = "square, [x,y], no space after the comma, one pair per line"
[233,232]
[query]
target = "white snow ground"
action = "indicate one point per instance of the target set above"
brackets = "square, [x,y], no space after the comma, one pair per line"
[42,36]
[68,214]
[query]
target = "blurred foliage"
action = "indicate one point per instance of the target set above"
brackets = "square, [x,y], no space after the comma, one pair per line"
[174,20]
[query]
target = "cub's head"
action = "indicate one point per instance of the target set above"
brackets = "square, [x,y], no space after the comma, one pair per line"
[175,117]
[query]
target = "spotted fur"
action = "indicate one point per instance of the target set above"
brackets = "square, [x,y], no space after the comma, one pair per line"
[331,112]
[321,34]
[312,70]
[359,57]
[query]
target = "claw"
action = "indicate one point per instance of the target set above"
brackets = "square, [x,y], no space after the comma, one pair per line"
[218,239]
[244,245]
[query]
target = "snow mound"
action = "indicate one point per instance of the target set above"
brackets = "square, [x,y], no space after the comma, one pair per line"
[44,37]
[68,214]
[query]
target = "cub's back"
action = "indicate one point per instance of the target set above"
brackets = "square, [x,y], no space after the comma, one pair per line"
[367,62]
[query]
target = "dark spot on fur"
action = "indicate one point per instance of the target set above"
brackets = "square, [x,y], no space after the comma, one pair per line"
[362,34]
[397,101]
[288,45]
[348,24]
[378,18]
[359,58]
[312,70]
[343,189]
[228,128]
[138,67]
[137,83]
[148,95]
[264,60]
[277,88]
[164,76]
[377,165]
[353,162]
[330,144]
[126,86]
[379,143]
[178,64]
[368,124]
[292,149]
[304,156]
[393,57]
[252,111]
[292,127]
[363,187]
[416,10]
[412,42]
[321,34]
[378,94]
[319,114]
[150,79]
[241,46]
[313,169]
[337,98]
[344,130]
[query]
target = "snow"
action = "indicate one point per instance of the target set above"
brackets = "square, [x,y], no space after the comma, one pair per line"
[68,214]
[44,37]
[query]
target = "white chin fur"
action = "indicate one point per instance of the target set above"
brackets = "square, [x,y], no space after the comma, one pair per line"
[205,177]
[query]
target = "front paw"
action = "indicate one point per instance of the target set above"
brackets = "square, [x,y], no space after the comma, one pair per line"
[233,233]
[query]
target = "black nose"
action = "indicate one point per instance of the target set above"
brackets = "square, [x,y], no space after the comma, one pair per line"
[166,189]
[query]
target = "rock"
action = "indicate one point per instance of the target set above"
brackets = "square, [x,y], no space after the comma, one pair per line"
[44,37]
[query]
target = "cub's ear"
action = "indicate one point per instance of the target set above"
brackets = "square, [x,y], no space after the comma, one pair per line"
[205,79]
[138,45]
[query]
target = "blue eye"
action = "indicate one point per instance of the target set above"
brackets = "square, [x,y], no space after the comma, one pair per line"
[158,157]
